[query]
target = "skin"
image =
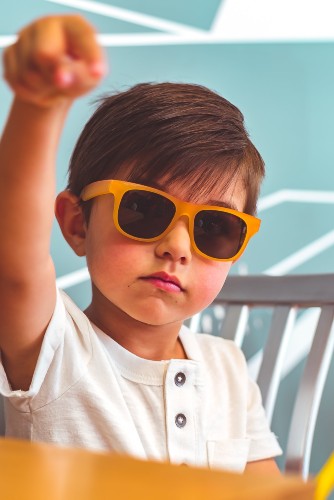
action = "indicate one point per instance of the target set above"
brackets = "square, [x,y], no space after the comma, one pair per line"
[55,60]
[123,301]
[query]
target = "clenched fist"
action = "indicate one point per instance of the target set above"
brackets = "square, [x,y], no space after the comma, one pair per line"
[55,58]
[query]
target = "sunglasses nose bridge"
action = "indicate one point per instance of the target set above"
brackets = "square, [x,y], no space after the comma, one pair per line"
[183,210]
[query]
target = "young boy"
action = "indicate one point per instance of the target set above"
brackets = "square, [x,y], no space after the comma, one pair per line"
[162,190]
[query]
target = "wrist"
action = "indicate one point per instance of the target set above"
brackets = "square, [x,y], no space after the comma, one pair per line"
[58,107]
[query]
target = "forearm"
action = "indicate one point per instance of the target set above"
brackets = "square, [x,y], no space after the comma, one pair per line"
[28,151]
[54,60]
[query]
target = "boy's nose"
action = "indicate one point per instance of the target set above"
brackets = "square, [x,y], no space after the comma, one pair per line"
[176,244]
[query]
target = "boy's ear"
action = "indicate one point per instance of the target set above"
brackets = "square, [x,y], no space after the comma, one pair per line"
[71,221]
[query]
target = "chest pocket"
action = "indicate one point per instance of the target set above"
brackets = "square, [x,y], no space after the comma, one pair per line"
[230,455]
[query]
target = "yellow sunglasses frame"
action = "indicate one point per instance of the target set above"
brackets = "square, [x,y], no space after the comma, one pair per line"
[183,208]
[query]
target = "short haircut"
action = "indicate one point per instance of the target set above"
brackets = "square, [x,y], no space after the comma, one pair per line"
[170,132]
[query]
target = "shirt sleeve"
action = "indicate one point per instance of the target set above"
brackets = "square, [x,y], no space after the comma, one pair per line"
[61,362]
[263,442]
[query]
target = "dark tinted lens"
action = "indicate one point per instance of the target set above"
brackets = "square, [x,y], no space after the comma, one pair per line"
[219,234]
[144,214]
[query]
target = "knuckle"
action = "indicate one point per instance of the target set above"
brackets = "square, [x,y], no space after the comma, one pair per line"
[80,19]
[42,55]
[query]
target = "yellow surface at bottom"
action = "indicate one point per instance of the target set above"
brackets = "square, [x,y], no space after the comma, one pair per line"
[34,471]
[325,480]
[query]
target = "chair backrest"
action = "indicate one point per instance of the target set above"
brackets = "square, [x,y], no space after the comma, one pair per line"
[286,296]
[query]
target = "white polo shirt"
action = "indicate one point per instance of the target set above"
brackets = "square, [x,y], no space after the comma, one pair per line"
[88,391]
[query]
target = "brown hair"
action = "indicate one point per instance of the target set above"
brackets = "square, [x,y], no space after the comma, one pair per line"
[171,132]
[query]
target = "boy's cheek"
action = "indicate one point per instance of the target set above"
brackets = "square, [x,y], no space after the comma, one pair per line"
[211,279]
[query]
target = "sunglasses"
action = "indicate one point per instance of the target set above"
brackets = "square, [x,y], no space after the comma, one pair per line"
[147,214]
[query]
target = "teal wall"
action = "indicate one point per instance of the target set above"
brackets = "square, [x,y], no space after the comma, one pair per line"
[285,90]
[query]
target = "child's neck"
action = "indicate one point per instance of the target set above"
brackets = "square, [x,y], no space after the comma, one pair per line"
[146,341]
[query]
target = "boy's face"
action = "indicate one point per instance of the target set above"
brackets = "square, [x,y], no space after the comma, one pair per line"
[155,283]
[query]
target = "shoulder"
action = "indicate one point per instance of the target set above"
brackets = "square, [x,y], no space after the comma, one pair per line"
[69,329]
[215,352]
[73,314]
[65,354]
[68,304]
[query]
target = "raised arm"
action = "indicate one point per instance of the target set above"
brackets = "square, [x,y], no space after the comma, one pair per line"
[54,60]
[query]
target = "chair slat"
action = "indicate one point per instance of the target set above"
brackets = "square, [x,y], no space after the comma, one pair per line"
[309,395]
[235,323]
[273,356]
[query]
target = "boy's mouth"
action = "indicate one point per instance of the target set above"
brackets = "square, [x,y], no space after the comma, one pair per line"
[164,281]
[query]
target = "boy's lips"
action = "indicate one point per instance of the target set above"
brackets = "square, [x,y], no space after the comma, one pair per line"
[166,278]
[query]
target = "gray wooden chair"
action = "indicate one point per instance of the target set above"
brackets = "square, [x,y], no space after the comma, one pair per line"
[286,295]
